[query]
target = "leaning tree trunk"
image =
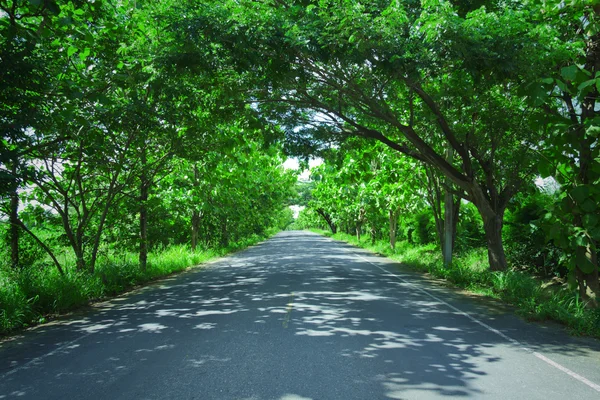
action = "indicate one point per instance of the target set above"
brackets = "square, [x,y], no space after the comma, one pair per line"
[327,219]
[47,249]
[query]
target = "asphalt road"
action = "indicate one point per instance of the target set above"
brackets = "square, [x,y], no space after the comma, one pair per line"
[298,317]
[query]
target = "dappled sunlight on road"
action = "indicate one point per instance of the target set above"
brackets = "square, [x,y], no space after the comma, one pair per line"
[272,314]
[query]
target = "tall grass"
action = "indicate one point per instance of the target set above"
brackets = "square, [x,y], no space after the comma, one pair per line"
[470,270]
[34,294]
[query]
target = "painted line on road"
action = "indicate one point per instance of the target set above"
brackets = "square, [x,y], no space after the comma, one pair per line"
[515,342]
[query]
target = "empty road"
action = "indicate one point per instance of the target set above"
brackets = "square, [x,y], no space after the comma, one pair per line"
[299,317]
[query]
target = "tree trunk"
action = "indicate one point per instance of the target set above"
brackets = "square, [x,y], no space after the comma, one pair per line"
[327,219]
[588,283]
[224,233]
[359,223]
[46,248]
[80,260]
[456,211]
[447,245]
[195,212]
[195,228]
[14,225]
[393,227]
[492,226]
[144,186]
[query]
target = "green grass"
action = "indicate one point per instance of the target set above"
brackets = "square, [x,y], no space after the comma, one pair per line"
[470,271]
[33,295]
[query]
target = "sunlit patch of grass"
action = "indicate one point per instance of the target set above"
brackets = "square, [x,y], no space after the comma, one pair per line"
[470,271]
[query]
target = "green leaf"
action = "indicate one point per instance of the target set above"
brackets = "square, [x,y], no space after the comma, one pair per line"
[590,221]
[580,193]
[586,84]
[589,206]
[53,7]
[72,50]
[545,169]
[569,73]
[592,131]
[562,86]
[84,54]
[595,233]
[582,261]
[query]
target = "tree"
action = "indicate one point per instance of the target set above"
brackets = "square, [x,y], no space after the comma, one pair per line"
[414,77]
[570,97]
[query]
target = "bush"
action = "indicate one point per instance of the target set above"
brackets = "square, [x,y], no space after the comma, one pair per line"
[15,310]
[525,239]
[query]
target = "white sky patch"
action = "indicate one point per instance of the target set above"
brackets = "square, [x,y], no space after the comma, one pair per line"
[296,210]
[292,163]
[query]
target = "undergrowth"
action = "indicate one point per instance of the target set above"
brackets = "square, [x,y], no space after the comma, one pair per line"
[30,296]
[470,271]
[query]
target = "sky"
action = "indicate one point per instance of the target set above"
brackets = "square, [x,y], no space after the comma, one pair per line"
[292,163]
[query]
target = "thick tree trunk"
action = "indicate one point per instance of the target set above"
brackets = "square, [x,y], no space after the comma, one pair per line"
[79,257]
[492,226]
[144,189]
[358,230]
[588,282]
[589,286]
[14,227]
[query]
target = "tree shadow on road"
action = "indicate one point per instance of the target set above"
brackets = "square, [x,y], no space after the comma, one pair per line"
[293,318]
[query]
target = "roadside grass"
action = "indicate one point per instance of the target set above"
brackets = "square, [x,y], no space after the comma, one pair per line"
[469,271]
[33,295]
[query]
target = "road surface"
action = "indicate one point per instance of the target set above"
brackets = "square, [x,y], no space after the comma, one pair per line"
[298,317]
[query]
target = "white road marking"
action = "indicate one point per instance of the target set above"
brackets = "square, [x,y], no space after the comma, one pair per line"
[515,342]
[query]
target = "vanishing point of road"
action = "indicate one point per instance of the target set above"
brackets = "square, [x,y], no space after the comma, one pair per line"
[298,317]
